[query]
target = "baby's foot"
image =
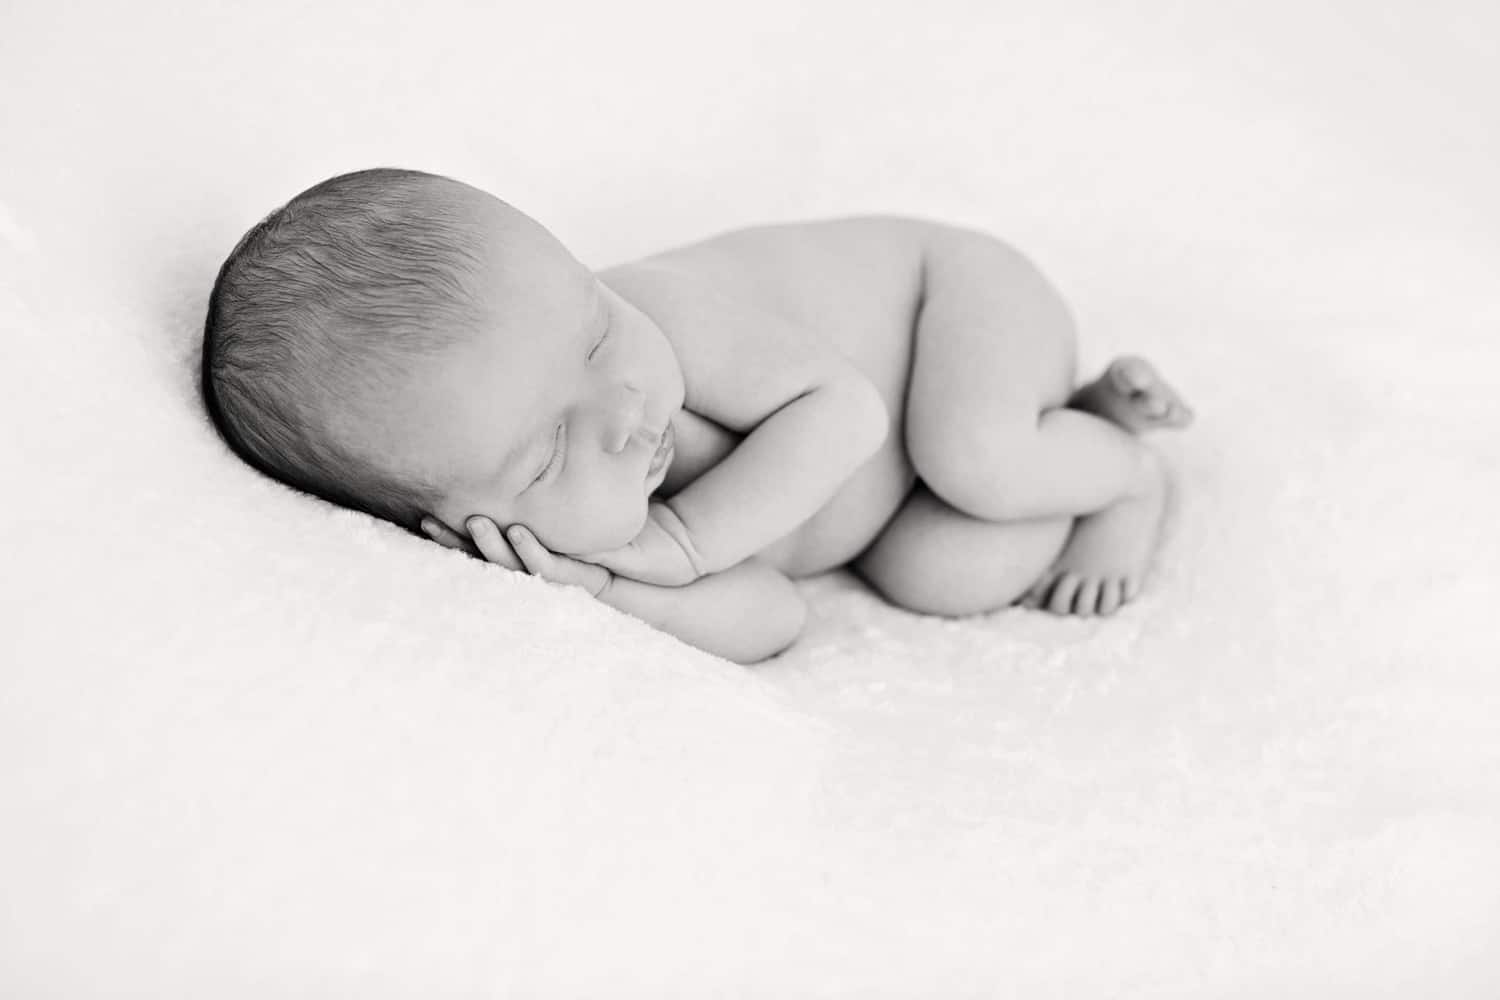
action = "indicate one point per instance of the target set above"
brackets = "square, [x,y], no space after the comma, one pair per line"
[1104,562]
[1132,394]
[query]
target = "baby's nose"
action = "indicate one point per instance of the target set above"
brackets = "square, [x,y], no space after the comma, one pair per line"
[626,421]
[641,434]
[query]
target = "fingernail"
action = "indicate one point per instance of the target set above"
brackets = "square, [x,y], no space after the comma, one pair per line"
[516,534]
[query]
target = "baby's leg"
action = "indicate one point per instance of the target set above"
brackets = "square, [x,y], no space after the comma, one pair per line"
[987,423]
[1104,562]
[938,561]
[1105,559]
[996,429]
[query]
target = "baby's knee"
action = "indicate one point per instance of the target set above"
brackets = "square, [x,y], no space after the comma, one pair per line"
[972,468]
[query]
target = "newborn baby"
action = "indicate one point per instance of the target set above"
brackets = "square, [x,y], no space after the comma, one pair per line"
[685,434]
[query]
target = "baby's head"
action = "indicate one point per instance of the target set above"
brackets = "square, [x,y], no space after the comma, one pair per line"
[407,345]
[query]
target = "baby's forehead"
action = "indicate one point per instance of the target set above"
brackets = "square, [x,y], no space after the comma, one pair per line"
[536,284]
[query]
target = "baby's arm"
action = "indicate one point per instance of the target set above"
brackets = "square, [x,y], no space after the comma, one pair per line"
[788,467]
[745,614]
[810,416]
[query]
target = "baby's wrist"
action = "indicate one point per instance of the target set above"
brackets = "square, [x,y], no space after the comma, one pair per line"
[672,524]
[609,580]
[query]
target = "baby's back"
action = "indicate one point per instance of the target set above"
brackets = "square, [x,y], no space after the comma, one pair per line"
[856,284]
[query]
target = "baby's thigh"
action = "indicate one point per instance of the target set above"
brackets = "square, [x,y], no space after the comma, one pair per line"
[976,392]
[936,560]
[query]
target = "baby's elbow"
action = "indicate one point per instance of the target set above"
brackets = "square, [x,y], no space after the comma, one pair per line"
[790,620]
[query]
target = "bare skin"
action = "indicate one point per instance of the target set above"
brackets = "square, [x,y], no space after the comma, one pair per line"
[1134,396]
[1105,559]
[1102,565]
[887,394]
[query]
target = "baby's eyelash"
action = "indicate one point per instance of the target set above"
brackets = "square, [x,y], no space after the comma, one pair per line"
[557,451]
[599,344]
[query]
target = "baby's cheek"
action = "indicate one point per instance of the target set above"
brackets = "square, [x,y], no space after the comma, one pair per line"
[618,528]
[598,527]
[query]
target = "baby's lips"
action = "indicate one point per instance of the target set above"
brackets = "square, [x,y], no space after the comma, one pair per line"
[663,449]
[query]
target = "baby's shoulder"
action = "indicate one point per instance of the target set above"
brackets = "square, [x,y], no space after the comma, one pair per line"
[797,271]
[774,257]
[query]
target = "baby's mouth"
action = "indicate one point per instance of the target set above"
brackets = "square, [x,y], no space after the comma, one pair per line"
[663,452]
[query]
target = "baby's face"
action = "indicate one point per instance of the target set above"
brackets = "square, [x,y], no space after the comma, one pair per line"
[551,416]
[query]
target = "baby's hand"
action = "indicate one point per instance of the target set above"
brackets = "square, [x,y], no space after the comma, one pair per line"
[661,554]
[524,554]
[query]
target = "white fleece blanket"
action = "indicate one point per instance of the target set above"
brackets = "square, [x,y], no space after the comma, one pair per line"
[253,746]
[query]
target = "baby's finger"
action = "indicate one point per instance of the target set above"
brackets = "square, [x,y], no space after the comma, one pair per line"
[533,553]
[491,545]
[554,568]
[446,536]
[622,561]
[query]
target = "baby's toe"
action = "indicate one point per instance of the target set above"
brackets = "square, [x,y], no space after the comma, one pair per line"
[1155,403]
[1087,600]
[1061,602]
[1109,597]
[1133,375]
[1180,414]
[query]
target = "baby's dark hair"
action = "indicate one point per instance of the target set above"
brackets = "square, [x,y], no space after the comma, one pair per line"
[322,305]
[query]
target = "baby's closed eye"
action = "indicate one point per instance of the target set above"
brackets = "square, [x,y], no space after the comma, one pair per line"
[555,459]
[599,343]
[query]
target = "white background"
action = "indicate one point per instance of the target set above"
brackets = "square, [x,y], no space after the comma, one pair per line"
[254,746]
